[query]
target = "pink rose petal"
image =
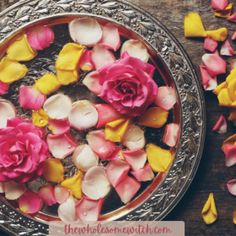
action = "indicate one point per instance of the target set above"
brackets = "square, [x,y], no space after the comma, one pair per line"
[210,44]
[166,97]
[110,37]
[83,115]
[61,194]
[127,189]
[221,125]
[102,56]
[88,210]
[67,210]
[171,134]
[227,49]
[30,203]
[230,154]
[85,31]
[85,62]
[106,113]
[91,81]
[136,159]
[215,65]
[209,83]
[61,145]
[232,17]
[95,184]
[7,111]
[116,171]
[103,148]
[47,194]
[13,190]
[144,174]
[231,186]
[219,4]
[59,126]
[31,98]
[3,88]
[234,36]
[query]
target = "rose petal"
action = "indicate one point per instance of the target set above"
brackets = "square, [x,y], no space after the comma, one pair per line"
[134,138]
[116,171]
[13,190]
[58,126]
[227,49]
[102,147]
[83,115]
[219,4]
[209,212]
[214,63]
[74,185]
[67,210]
[66,77]
[136,159]
[3,88]
[135,48]
[91,81]
[232,17]
[61,194]
[85,31]
[224,98]
[84,157]
[210,44]
[127,189]
[232,115]
[231,186]
[144,174]
[102,57]
[7,111]
[218,34]
[58,106]
[221,125]
[85,62]
[95,184]
[158,158]
[30,203]
[220,87]
[61,145]
[209,83]
[171,134]
[224,13]
[47,194]
[110,37]
[230,154]
[40,118]
[166,97]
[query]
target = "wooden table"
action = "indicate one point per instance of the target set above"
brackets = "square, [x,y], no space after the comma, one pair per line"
[212,174]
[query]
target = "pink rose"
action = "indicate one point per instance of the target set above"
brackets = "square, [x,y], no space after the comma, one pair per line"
[22,151]
[128,86]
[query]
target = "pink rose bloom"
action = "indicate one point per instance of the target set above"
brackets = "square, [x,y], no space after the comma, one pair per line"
[22,151]
[128,86]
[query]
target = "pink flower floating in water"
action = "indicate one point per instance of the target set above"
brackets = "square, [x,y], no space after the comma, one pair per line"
[22,151]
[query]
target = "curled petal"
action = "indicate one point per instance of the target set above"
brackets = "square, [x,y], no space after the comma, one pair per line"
[166,97]
[66,77]
[31,98]
[96,176]
[116,171]
[58,106]
[227,49]
[209,212]
[47,194]
[221,125]
[3,88]
[61,194]
[58,126]
[40,118]
[171,134]
[218,34]
[85,62]
[84,157]
[210,44]
[144,174]
[135,49]
[13,190]
[83,115]
[7,111]
[86,31]
[209,82]
[230,154]
[231,186]
[102,57]
[67,210]
[224,98]
[61,145]
[30,203]
[136,159]
[232,17]
[91,81]
[134,138]
[127,189]
[219,4]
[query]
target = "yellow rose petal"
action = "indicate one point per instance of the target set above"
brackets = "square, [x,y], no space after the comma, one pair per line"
[20,50]
[232,89]
[53,170]
[40,118]
[158,158]
[225,13]
[234,217]
[154,117]
[115,130]
[69,56]
[193,26]
[220,87]
[218,34]
[209,212]
[224,98]
[66,77]
[231,76]
[47,84]
[74,185]
[11,71]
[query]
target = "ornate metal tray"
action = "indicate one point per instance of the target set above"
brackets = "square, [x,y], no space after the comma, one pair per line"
[158,199]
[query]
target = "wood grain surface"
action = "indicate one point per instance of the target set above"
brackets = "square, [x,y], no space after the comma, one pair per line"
[212,174]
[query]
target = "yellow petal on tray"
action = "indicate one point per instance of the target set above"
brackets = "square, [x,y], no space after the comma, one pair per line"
[53,170]
[218,34]
[66,77]
[232,89]
[20,50]
[226,12]
[47,84]
[193,26]
[40,118]
[224,98]
[159,159]
[69,56]
[11,71]
[154,117]
[74,185]
[115,130]
[220,87]
[234,217]
[231,76]
[209,212]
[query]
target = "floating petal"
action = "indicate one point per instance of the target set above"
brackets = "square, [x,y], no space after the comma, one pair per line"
[47,194]
[85,62]
[171,134]
[91,81]
[227,49]
[210,44]
[221,125]
[209,212]
[3,88]
[13,190]
[7,111]
[218,34]
[219,4]
[40,118]
[61,194]
[67,210]
[66,77]
[144,174]
[231,186]
[230,154]
[209,82]
[58,126]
